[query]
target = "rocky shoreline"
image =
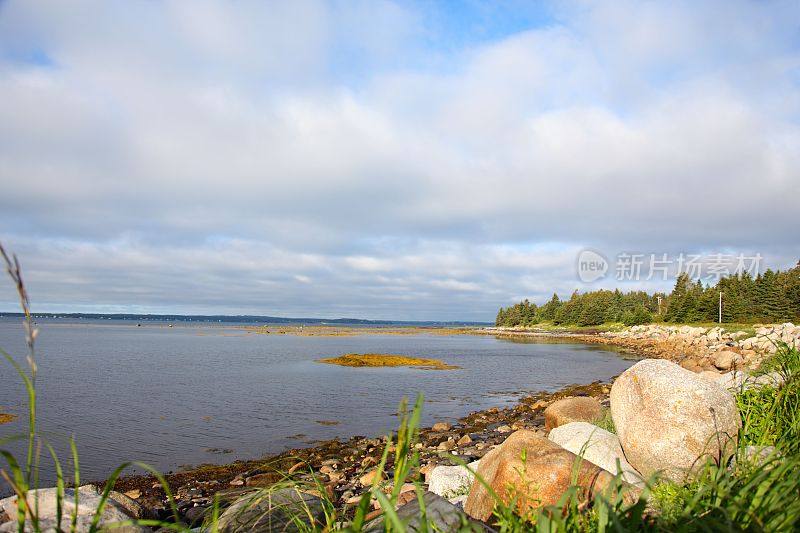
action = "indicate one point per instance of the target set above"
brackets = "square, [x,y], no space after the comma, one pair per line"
[341,465]
[694,348]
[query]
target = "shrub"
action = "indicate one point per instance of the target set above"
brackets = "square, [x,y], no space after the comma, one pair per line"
[637,317]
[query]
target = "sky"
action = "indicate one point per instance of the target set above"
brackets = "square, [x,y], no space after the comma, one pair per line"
[387,160]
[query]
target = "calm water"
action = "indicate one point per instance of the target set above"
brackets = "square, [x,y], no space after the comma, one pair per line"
[177,396]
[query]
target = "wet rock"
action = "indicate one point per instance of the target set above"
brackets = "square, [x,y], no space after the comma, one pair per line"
[534,472]
[577,409]
[440,427]
[667,418]
[131,507]
[195,515]
[262,480]
[272,512]
[464,440]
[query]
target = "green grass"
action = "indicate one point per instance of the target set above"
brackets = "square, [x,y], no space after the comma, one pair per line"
[731,327]
[606,422]
[771,415]
[572,328]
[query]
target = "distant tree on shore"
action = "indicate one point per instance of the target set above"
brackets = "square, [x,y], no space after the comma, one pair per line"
[773,296]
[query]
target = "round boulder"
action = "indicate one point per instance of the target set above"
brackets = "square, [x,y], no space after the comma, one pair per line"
[726,360]
[577,409]
[669,418]
[534,472]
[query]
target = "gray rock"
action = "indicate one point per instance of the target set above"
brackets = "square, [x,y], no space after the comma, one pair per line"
[88,503]
[129,505]
[736,380]
[754,455]
[442,516]
[668,418]
[196,515]
[272,511]
[597,446]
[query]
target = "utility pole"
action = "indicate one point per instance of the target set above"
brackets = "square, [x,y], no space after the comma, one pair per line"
[720,307]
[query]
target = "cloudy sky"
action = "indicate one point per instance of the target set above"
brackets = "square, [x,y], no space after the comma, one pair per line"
[377,159]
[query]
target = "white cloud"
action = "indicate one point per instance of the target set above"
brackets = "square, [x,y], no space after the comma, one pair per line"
[330,146]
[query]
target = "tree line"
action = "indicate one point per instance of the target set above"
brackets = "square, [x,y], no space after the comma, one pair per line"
[773,296]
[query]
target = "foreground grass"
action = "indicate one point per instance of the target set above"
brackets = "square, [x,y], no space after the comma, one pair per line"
[379,360]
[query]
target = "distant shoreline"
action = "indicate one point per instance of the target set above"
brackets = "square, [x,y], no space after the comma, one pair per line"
[246,319]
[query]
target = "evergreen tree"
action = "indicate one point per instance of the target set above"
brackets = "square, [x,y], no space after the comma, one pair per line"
[548,310]
[772,296]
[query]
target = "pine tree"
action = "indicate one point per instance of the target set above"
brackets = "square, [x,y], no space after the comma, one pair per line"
[676,306]
[548,310]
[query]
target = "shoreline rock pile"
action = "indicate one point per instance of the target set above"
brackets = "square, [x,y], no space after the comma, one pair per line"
[668,420]
[700,348]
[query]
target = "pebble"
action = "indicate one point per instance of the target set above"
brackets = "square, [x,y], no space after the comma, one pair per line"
[440,427]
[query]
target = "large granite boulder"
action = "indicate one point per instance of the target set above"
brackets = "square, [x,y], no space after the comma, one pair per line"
[534,472]
[577,409]
[273,511]
[669,419]
[88,503]
[597,446]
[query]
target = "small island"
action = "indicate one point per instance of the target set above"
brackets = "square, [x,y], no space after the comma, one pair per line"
[380,359]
